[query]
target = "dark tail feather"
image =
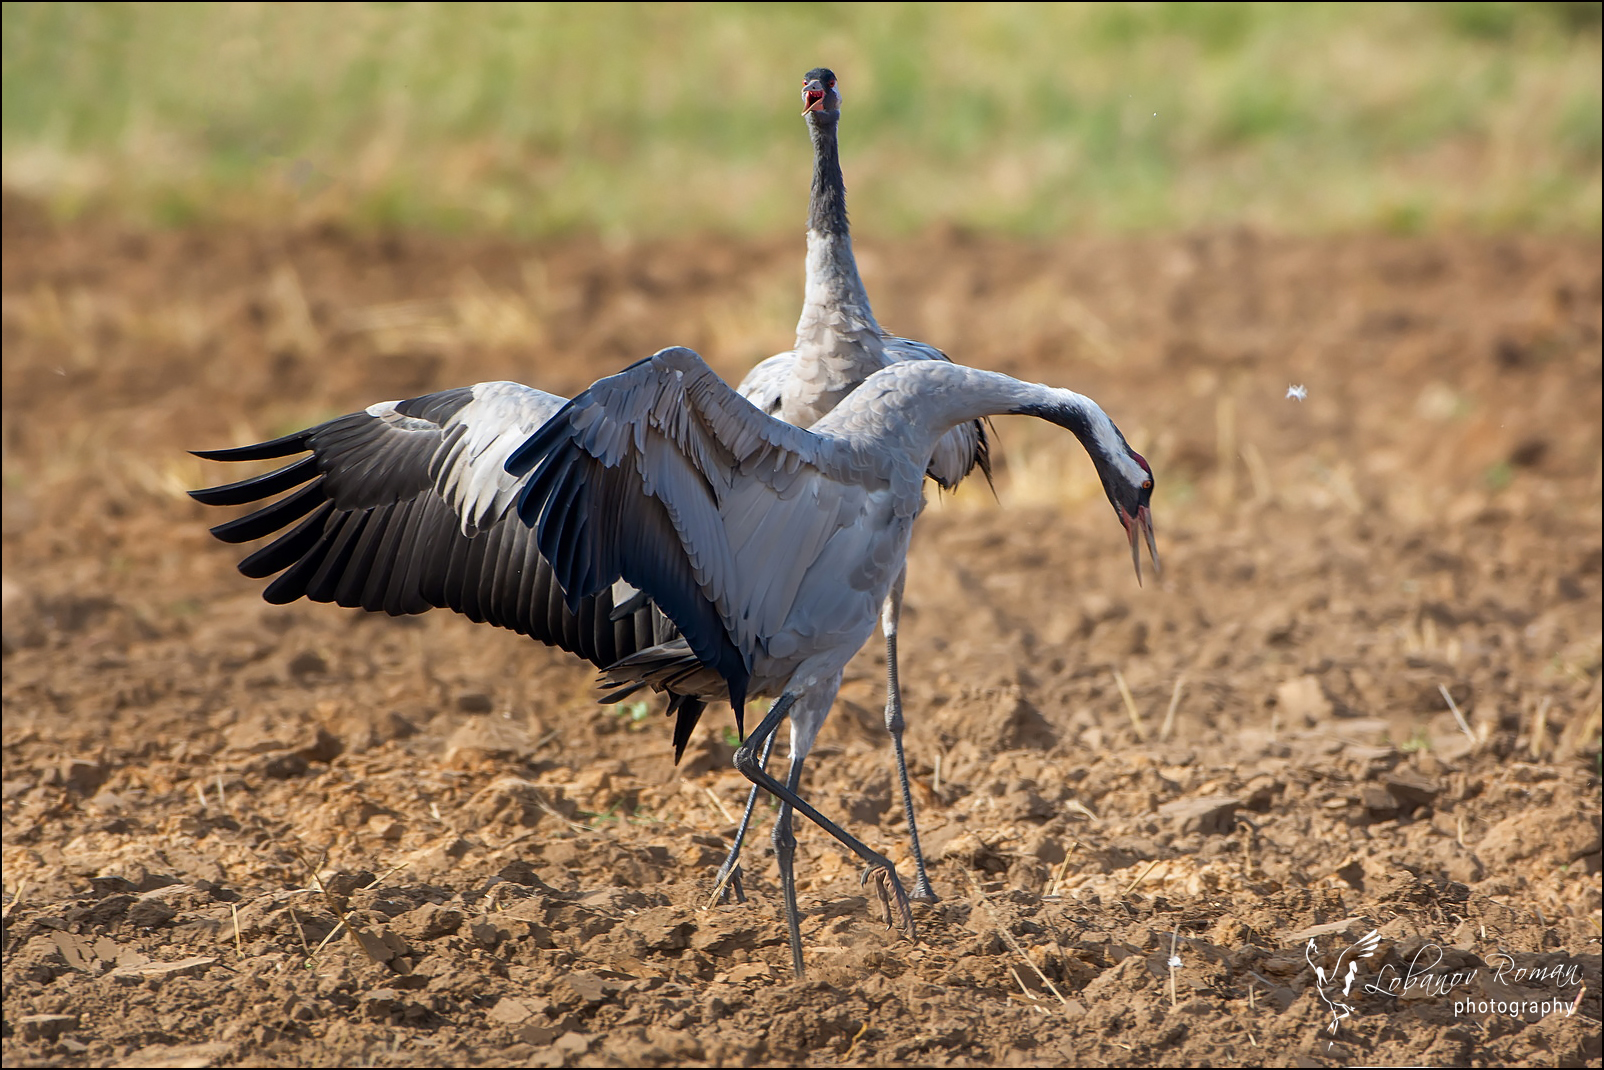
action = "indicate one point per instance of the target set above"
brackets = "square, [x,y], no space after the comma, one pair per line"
[985,430]
[686,711]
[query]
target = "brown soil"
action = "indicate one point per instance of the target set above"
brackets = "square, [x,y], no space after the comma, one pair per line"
[236,833]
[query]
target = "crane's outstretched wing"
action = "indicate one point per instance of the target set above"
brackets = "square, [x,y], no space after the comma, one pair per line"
[407,506]
[665,476]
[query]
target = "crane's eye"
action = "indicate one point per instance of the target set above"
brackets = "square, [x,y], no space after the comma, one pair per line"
[1147,484]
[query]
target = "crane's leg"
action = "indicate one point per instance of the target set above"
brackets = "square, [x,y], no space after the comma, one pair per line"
[889,617]
[729,874]
[885,874]
[785,853]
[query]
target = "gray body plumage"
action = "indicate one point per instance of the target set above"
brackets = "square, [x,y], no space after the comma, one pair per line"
[787,376]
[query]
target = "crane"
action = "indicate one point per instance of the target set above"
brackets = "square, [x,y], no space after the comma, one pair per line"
[772,548]
[839,344]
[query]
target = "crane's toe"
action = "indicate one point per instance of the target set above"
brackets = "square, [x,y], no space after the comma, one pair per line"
[894,902]
[922,892]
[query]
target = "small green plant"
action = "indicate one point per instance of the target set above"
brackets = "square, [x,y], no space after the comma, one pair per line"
[1419,741]
[633,714]
[615,814]
[597,817]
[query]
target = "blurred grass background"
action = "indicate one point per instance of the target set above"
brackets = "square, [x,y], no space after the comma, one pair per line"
[647,119]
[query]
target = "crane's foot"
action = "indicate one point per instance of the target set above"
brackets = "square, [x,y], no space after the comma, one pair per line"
[894,902]
[922,892]
[727,883]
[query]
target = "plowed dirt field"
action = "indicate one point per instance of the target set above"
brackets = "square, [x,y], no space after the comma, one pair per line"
[237,833]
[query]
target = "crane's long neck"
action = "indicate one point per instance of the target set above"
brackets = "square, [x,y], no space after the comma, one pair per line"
[838,342]
[904,409]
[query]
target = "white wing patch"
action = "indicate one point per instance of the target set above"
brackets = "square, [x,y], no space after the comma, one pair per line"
[470,469]
[385,410]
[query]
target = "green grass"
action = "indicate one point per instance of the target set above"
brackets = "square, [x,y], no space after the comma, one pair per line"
[639,119]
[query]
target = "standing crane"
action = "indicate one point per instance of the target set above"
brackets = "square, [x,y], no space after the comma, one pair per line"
[772,549]
[839,344]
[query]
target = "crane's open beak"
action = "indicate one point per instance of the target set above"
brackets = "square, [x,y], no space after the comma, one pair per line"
[1143,523]
[813,98]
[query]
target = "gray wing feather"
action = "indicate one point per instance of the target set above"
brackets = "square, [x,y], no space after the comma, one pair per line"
[777,540]
[703,458]
[911,349]
[764,385]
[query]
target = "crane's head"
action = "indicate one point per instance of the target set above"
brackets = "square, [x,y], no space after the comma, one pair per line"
[1127,477]
[1130,489]
[819,95]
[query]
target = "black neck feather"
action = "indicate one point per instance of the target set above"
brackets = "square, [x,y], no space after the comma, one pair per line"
[827,209]
[1073,419]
